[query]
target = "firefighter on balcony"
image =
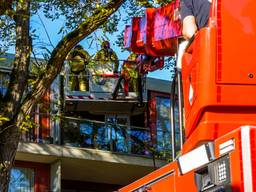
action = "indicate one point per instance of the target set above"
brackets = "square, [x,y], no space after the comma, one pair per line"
[78,59]
[106,60]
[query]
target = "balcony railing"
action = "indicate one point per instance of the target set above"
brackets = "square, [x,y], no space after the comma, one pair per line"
[102,136]
[110,137]
[97,86]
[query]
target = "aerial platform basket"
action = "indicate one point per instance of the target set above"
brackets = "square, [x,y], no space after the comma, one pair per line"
[98,98]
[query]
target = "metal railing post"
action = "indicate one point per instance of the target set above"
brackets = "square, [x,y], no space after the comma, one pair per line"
[172,117]
[180,96]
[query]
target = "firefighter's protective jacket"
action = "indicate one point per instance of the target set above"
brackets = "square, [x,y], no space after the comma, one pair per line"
[129,69]
[108,60]
[78,77]
[79,58]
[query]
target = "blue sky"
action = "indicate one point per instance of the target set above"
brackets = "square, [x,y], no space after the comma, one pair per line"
[53,27]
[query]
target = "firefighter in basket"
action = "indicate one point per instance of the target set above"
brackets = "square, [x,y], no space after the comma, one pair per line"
[129,75]
[130,72]
[78,59]
[106,60]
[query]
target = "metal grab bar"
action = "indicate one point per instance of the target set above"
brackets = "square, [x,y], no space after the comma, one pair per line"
[176,81]
[172,115]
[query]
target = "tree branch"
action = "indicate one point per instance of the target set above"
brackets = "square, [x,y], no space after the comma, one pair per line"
[46,32]
[6,7]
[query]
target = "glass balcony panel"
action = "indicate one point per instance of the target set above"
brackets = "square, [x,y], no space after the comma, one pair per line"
[108,136]
[140,141]
[111,137]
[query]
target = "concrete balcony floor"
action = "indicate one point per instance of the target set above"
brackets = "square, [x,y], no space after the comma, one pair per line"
[89,164]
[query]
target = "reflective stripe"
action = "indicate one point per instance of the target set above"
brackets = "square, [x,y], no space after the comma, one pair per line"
[69,97]
[227,146]
[246,156]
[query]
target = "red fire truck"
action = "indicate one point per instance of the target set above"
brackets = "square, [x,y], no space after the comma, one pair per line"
[218,94]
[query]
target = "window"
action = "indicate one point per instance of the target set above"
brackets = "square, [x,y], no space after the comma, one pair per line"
[22,180]
[163,124]
[4,80]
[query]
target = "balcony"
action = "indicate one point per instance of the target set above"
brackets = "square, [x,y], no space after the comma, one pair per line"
[105,136]
[85,148]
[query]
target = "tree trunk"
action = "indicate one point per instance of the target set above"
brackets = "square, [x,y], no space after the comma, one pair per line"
[9,141]
[9,130]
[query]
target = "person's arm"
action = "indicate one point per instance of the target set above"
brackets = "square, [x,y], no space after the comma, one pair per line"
[114,58]
[84,54]
[189,27]
[98,57]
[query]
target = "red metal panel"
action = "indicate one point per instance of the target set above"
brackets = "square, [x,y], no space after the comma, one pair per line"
[148,63]
[236,42]
[216,99]
[198,66]
[128,37]
[235,157]
[154,34]
[167,184]
[136,41]
[141,36]
[152,116]
[133,36]
[166,29]
[238,176]
[163,30]
[45,116]
[175,181]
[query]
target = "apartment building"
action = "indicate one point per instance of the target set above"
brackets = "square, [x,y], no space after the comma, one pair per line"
[86,141]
